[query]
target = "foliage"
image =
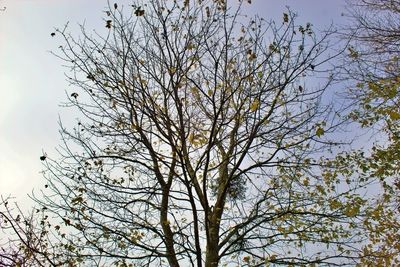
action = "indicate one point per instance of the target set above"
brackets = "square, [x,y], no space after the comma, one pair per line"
[374,66]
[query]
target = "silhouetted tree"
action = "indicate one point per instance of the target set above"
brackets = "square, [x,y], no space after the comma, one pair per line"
[24,239]
[200,143]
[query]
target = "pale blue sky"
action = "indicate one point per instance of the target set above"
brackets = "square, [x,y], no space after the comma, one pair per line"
[32,83]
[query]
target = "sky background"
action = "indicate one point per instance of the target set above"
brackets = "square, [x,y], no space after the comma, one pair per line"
[32,81]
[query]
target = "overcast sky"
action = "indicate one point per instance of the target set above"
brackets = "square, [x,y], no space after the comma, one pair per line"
[32,83]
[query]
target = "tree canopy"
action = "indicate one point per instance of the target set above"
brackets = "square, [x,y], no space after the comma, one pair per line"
[373,68]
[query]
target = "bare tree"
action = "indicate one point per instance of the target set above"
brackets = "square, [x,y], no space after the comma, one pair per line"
[200,143]
[374,36]
[24,239]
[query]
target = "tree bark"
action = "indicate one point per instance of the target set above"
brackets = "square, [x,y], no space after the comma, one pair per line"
[212,255]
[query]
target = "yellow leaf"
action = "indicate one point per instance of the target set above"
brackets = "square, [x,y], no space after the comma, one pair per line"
[252,56]
[143,82]
[191,137]
[352,52]
[195,92]
[334,204]
[320,131]
[171,70]
[352,211]
[190,46]
[255,105]
[394,115]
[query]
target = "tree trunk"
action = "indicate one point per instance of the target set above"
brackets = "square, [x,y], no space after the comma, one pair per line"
[212,250]
[212,257]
